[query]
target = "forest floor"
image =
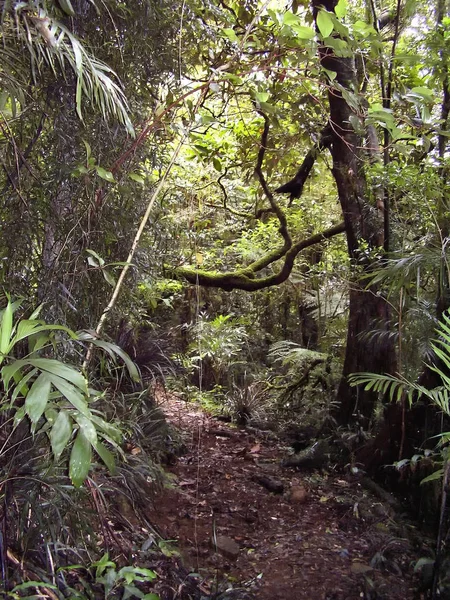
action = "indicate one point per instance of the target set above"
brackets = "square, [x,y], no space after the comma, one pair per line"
[318,535]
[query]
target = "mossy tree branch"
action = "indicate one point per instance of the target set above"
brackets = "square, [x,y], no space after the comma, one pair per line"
[244,279]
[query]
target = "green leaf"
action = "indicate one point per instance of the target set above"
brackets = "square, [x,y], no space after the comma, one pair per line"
[78,94]
[151,596]
[60,433]
[262,96]
[103,564]
[290,19]
[98,258]
[37,398]
[110,430]
[423,92]
[137,573]
[436,475]
[80,459]
[67,7]
[92,262]
[136,177]
[72,394]
[88,149]
[87,427]
[104,174]
[58,368]
[230,34]
[6,328]
[131,591]
[304,33]
[39,584]
[108,278]
[341,8]
[217,164]
[325,23]
[112,350]
[26,328]
[106,456]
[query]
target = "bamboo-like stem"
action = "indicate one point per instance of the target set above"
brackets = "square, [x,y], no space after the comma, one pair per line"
[139,232]
[204,90]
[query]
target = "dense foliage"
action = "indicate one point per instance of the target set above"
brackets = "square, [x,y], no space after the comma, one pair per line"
[250,198]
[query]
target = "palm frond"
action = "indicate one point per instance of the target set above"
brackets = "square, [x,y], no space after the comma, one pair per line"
[50,44]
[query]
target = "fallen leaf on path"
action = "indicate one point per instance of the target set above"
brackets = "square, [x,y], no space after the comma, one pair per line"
[256,448]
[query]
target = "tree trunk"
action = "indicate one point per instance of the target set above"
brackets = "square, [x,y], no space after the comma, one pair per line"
[364,230]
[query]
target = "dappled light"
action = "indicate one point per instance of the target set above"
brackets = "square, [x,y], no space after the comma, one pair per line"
[224,299]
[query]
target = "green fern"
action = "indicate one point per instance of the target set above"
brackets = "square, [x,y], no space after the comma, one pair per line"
[397,387]
[290,353]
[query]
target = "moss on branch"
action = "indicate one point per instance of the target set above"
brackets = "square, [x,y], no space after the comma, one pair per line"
[245,278]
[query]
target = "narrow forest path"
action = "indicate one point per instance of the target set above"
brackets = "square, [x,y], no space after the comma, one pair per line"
[322,537]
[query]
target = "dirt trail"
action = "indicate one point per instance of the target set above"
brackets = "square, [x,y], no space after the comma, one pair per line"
[323,537]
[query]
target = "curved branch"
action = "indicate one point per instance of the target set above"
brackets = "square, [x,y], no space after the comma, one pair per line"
[294,187]
[244,279]
[234,212]
[283,229]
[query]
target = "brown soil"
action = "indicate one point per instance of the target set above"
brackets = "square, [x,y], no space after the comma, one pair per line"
[324,537]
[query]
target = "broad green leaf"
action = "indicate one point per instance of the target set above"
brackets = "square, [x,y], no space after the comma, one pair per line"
[6,328]
[104,174]
[423,92]
[60,433]
[112,350]
[97,257]
[436,475]
[217,164]
[92,262]
[325,23]
[341,8]
[80,459]
[58,368]
[108,278]
[136,177]
[304,33]
[87,427]
[19,416]
[72,394]
[340,47]
[290,19]
[266,107]
[331,74]
[39,584]
[102,564]
[137,573]
[26,328]
[230,34]
[78,94]
[36,312]
[262,96]
[22,387]
[131,591]
[110,430]
[37,398]
[151,596]
[106,456]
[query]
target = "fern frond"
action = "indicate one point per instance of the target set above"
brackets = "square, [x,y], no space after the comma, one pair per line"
[288,353]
